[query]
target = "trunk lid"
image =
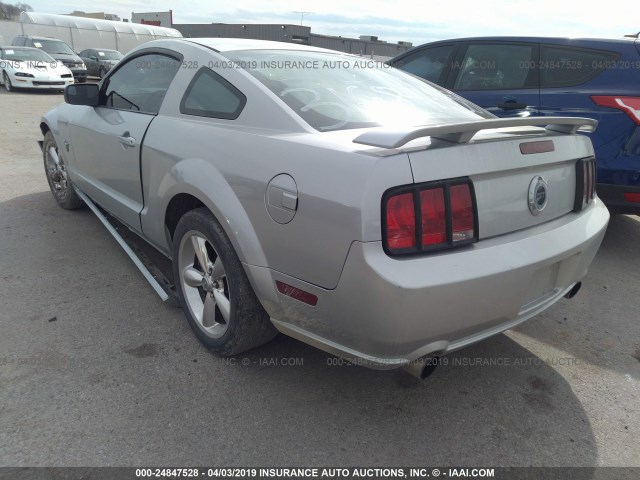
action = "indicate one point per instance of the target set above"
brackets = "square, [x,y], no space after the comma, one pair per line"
[522,175]
[506,169]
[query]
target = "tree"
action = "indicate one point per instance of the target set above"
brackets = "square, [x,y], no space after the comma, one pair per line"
[12,12]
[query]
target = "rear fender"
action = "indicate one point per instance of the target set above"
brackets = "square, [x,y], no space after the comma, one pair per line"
[199,178]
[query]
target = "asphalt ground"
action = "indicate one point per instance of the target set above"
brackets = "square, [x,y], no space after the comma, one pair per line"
[96,371]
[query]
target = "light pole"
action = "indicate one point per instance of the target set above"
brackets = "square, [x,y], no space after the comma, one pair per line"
[302,14]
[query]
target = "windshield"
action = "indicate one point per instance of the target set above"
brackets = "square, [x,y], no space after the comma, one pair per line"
[109,55]
[26,54]
[336,92]
[53,47]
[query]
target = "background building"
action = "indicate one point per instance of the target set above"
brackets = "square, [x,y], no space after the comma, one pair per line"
[365,45]
[97,15]
[157,19]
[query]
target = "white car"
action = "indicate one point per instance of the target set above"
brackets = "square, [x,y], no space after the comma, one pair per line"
[25,67]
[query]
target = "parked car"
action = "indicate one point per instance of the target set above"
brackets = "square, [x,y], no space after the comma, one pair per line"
[59,50]
[99,60]
[24,67]
[537,76]
[341,202]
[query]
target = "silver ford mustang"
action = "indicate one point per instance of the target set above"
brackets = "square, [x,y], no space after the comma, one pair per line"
[339,201]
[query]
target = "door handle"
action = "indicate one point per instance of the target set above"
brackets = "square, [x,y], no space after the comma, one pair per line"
[127,140]
[512,106]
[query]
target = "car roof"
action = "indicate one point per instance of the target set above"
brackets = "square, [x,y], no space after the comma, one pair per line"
[563,40]
[236,44]
[9,47]
[36,37]
[101,49]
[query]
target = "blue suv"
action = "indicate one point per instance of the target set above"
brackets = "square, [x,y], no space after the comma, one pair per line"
[536,76]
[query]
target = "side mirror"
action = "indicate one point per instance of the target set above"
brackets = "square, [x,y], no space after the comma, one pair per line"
[94,58]
[82,94]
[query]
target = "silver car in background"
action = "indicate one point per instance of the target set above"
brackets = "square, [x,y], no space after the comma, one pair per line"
[328,197]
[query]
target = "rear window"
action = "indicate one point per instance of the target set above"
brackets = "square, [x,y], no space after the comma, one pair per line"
[337,92]
[565,67]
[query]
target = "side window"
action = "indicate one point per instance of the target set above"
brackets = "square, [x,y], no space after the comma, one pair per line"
[140,84]
[565,67]
[19,42]
[428,63]
[497,67]
[210,95]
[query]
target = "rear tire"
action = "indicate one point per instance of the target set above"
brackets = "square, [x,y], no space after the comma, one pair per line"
[215,294]
[57,177]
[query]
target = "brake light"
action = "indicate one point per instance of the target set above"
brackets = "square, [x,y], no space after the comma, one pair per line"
[434,217]
[629,105]
[429,216]
[401,222]
[585,183]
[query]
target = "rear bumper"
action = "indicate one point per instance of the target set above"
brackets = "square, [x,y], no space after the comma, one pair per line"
[387,312]
[613,197]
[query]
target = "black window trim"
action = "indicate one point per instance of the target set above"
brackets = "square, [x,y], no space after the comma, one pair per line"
[177,56]
[210,114]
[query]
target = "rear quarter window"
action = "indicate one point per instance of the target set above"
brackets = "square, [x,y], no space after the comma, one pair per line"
[566,66]
[210,95]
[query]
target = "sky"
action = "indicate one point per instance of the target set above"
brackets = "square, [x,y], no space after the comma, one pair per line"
[407,20]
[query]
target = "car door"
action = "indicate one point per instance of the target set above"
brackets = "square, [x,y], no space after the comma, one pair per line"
[107,139]
[90,60]
[500,77]
[566,84]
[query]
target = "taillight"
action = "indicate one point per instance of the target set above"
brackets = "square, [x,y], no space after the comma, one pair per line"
[629,105]
[585,183]
[434,217]
[633,197]
[401,222]
[429,216]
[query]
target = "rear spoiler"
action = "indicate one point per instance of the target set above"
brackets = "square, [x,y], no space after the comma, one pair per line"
[384,137]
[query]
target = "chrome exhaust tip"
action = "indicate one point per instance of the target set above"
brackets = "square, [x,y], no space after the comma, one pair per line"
[423,367]
[574,290]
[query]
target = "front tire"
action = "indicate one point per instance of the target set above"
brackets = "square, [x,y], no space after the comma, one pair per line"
[214,291]
[57,177]
[101,72]
[7,82]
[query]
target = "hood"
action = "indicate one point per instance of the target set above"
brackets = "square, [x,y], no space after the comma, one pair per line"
[66,58]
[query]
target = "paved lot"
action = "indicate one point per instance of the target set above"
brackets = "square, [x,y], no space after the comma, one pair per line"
[96,370]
